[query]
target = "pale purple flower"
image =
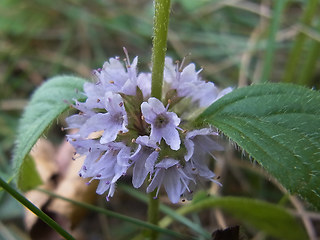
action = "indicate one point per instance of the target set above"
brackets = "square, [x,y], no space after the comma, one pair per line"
[183,80]
[111,123]
[170,175]
[116,78]
[144,83]
[106,165]
[143,159]
[164,124]
[200,145]
[187,82]
[201,139]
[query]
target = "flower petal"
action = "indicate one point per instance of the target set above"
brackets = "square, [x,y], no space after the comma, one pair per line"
[171,136]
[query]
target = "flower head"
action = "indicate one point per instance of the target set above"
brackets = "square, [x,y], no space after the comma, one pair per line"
[120,126]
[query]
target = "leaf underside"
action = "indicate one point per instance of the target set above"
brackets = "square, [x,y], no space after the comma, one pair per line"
[279,126]
[46,104]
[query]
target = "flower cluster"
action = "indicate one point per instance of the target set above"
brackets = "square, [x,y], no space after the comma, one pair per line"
[120,126]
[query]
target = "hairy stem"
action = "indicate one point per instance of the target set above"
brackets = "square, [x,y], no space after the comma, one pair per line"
[160,31]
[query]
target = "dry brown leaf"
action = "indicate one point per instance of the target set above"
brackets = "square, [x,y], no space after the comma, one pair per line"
[51,162]
[73,187]
[43,154]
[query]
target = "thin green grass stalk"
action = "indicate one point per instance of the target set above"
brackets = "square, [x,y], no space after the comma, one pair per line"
[296,51]
[168,211]
[44,217]
[310,63]
[271,44]
[160,32]
[119,216]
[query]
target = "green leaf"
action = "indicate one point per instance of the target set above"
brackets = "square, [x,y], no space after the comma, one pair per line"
[46,104]
[29,177]
[279,126]
[272,219]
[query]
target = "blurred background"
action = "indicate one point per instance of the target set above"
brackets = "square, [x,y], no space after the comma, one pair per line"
[236,42]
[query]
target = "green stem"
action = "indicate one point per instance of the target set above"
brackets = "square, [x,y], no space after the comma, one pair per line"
[160,31]
[296,51]
[44,217]
[271,44]
[153,214]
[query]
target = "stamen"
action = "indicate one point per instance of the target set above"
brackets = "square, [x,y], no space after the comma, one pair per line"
[200,70]
[127,59]
[167,107]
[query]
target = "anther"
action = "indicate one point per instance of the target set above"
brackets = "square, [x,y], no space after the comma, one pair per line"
[112,82]
[98,100]
[157,149]
[121,104]
[142,117]
[133,140]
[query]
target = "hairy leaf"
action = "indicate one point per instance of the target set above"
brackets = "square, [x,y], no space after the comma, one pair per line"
[46,104]
[28,177]
[279,126]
